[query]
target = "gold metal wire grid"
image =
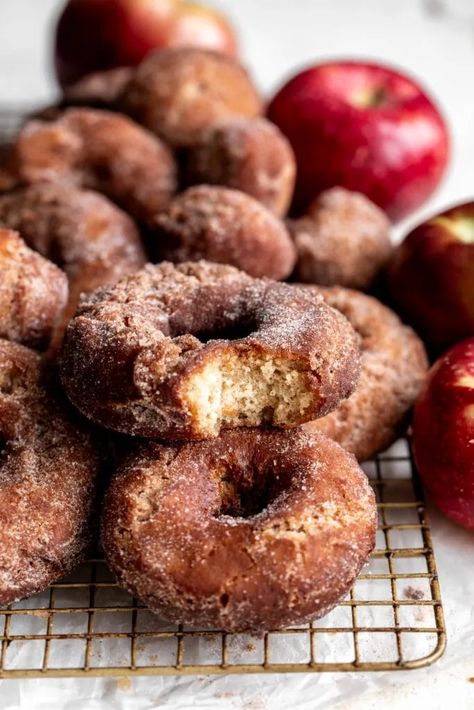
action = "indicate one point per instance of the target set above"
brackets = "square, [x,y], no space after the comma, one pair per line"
[392,619]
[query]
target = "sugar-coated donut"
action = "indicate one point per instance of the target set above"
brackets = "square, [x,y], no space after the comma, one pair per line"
[176,93]
[253,531]
[343,240]
[225,226]
[33,293]
[100,89]
[248,154]
[99,150]
[47,479]
[183,351]
[85,234]
[394,366]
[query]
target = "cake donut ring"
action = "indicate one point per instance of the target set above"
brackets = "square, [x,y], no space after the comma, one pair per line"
[225,226]
[394,367]
[101,151]
[47,479]
[91,239]
[248,154]
[99,89]
[177,93]
[342,240]
[182,351]
[274,527]
[33,293]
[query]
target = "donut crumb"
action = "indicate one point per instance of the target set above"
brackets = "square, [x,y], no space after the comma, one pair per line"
[242,389]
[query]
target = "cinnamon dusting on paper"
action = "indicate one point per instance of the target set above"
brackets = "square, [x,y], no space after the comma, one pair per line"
[413,593]
[124,683]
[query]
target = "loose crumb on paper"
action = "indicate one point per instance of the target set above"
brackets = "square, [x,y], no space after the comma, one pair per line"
[124,683]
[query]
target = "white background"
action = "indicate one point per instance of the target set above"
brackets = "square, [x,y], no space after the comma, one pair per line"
[433,39]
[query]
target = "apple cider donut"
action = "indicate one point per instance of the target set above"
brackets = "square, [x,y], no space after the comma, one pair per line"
[47,479]
[248,154]
[33,293]
[394,367]
[99,89]
[343,240]
[176,93]
[225,226]
[185,351]
[255,530]
[99,150]
[85,234]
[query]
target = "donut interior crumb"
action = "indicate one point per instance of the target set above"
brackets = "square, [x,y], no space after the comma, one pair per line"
[242,389]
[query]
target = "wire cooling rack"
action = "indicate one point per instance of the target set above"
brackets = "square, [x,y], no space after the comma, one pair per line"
[392,620]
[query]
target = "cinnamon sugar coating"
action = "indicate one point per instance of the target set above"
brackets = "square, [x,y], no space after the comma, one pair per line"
[176,93]
[394,366]
[99,150]
[33,293]
[85,234]
[47,479]
[248,154]
[225,226]
[185,351]
[272,531]
[342,240]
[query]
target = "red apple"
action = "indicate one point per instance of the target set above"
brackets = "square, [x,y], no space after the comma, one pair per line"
[195,25]
[431,277]
[443,433]
[94,35]
[364,127]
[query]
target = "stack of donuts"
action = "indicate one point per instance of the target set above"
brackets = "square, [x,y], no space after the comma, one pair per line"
[144,248]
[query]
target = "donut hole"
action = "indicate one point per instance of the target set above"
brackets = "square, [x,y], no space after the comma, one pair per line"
[243,499]
[236,387]
[236,331]
[246,492]
[3,445]
[11,380]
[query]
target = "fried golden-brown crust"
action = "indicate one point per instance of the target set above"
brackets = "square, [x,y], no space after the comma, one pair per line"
[47,479]
[99,150]
[394,366]
[132,347]
[342,240]
[89,237]
[33,293]
[248,154]
[176,93]
[225,226]
[253,531]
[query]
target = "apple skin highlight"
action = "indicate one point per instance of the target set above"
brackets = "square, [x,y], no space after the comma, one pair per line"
[431,277]
[443,434]
[95,35]
[364,127]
